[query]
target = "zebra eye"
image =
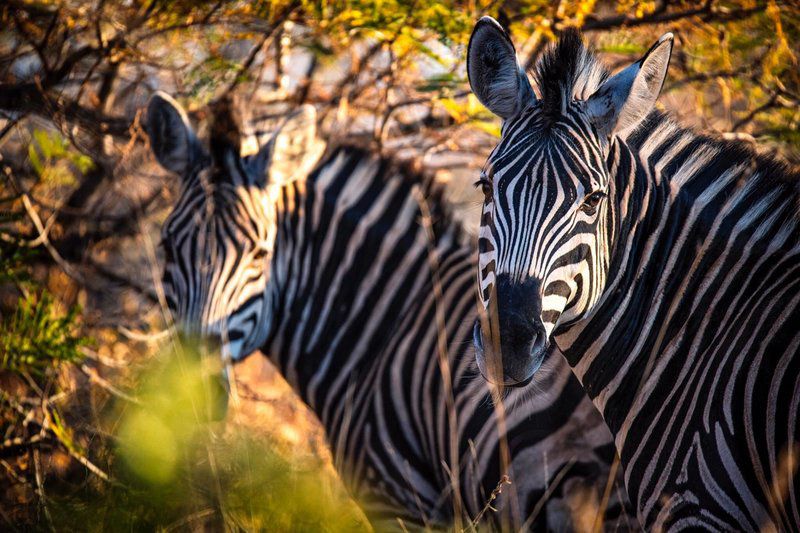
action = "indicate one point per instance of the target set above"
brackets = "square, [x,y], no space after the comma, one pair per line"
[589,204]
[485,185]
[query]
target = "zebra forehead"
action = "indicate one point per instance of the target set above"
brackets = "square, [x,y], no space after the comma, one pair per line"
[548,157]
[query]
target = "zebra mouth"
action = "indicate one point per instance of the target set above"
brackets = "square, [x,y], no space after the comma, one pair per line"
[537,356]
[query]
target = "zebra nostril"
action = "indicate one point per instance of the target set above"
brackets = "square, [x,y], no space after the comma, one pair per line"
[533,341]
[538,343]
[235,335]
[477,336]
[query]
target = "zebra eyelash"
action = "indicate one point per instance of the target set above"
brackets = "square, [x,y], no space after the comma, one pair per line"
[484,184]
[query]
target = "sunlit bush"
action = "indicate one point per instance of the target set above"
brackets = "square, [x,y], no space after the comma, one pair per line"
[177,463]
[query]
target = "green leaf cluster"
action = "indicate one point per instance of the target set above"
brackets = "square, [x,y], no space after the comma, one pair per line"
[14,260]
[54,159]
[37,336]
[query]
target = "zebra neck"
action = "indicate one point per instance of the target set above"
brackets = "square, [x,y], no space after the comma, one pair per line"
[701,223]
[351,259]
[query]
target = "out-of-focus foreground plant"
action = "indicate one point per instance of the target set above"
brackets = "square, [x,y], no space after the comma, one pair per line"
[176,463]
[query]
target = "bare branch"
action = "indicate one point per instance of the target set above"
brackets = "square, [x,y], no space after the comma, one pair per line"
[661,15]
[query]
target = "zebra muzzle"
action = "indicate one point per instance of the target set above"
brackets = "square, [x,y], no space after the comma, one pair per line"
[507,366]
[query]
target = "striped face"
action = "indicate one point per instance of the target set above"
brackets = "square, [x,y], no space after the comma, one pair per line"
[219,238]
[544,238]
[547,225]
[217,243]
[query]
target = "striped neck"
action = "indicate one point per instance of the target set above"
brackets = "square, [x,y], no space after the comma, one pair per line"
[688,208]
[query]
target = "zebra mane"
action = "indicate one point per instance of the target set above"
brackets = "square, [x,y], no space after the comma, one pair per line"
[444,225]
[226,126]
[566,71]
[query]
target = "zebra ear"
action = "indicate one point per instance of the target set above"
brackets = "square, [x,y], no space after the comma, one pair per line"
[293,150]
[171,136]
[494,73]
[627,98]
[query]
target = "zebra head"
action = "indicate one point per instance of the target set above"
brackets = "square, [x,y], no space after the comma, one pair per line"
[549,213]
[218,239]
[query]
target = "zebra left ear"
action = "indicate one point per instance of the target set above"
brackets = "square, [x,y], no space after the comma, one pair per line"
[627,98]
[293,150]
[171,136]
[494,74]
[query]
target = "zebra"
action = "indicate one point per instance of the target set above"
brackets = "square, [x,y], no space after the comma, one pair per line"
[367,311]
[663,264]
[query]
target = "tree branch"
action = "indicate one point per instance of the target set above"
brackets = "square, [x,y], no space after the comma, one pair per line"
[661,15]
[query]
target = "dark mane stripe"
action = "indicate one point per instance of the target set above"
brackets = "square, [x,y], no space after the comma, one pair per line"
[566,71]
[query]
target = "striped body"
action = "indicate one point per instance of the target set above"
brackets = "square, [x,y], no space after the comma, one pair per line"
[665,266]
[331,273]
[693,353]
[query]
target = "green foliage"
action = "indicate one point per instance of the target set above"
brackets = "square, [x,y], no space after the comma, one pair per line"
[178,465]
[13,255]
[14,260]
[204,78]
[622,48]
[36,336]
[53,158]
[406,26]
[180,397]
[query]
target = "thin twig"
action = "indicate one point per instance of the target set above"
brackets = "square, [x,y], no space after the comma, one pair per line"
[94,469]
[13,473]
[769,104]
[43,231]
[102,359]
[20,442]
[612,478]
[40,488]
[186,520]
[95,378]
[154,337]
[546,496]
[444,361]
[492,497]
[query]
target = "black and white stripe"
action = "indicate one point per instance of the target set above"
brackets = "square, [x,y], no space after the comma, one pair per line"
[345,307]
[673,292]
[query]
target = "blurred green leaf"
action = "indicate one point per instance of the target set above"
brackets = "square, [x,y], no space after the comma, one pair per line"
[37,336]
[53,158]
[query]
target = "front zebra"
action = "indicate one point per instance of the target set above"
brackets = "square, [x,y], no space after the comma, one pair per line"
[330,274]
[664,265]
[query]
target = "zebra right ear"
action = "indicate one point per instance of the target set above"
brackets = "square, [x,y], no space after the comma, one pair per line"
[293,150]
[494,74]
[625,99]
[171,136]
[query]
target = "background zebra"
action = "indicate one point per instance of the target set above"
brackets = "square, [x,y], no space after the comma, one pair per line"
[666,267]
[330,274]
